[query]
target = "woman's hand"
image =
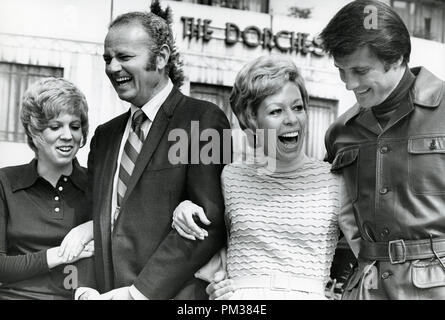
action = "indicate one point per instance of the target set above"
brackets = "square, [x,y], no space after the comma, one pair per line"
[221,288]
[87,251]
[185,225]
[75,241]
[53,258]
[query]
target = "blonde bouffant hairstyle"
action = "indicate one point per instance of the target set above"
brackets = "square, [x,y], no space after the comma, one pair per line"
[45,100]
[258,79]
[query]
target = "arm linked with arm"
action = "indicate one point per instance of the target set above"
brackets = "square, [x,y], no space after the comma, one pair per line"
[177,259]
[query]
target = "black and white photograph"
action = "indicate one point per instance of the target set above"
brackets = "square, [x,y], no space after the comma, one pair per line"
[243,151]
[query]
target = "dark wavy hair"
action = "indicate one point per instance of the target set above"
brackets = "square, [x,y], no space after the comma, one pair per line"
[347,31]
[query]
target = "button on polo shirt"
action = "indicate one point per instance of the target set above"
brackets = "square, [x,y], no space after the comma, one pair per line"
[38,217]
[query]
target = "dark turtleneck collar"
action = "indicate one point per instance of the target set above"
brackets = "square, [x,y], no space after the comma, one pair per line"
[384,110]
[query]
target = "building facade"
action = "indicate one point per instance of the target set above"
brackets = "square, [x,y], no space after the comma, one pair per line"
[215,38]
[424,18]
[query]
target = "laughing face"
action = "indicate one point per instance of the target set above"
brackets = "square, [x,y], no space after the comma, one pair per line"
[284,113]
[58,144]
[365,74]
[129,64]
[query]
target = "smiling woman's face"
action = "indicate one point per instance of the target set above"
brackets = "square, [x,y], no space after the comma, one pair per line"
[284,113]
[58,144]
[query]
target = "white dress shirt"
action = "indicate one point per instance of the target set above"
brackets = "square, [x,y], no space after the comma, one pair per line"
[150,109]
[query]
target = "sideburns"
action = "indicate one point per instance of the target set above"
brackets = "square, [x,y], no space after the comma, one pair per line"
[151,64]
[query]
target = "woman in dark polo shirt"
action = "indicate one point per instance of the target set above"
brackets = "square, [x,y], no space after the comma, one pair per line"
[45,228]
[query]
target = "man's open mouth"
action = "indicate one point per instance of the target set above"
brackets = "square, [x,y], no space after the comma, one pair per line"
[122,80]
[363,92]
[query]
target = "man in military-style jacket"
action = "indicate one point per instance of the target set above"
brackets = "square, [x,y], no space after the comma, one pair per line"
[390,148]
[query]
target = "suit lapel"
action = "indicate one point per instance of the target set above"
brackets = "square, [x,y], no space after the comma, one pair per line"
[153,139]
[114,135]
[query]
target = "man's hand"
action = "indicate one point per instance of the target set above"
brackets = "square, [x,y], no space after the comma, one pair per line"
[220,288]
[74,242]
[116,294]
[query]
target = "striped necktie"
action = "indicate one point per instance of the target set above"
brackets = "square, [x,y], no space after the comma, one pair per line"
[131,152]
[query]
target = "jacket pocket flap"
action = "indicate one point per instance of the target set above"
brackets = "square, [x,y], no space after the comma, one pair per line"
[344,158]
[431,144]
[428,274]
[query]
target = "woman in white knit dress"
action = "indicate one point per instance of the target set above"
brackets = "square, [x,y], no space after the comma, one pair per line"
[282,220]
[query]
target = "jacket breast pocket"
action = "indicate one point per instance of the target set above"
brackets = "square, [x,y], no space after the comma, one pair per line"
[346,163]
[426,165]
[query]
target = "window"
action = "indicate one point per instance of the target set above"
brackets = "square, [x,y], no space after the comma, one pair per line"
[427,28]
[14,80]
[219,95]
[249,5]
[321,113]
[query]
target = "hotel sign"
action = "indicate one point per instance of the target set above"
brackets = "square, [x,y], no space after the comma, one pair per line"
[253,36]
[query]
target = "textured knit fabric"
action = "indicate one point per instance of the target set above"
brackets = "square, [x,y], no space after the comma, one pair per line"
[281,223]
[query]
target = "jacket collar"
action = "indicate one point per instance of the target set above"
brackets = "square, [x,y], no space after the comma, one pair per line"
[27,176]
[428,91]
[79,176]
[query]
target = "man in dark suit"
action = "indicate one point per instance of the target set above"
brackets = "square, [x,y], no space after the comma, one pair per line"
[134,185]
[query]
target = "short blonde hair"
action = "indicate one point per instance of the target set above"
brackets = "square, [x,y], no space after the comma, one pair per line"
[45,100]
[258,79]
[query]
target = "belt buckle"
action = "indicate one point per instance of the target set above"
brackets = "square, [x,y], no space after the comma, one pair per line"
[279,282]
[394,242]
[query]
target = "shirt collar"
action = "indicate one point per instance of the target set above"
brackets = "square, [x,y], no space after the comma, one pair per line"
[28,175]
[152,107]
[25,177]
[79,176]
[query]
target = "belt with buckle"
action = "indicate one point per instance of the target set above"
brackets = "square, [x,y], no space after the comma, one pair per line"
[399,251]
